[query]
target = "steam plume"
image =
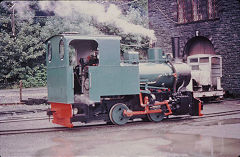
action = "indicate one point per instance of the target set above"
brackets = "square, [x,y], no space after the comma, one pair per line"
[23,9]
[83,99]
[108,15]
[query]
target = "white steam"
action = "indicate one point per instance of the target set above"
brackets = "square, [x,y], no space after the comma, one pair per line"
[83,99]
[23,9]
[108,15]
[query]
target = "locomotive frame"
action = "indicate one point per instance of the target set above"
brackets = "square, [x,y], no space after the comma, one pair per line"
[102,87]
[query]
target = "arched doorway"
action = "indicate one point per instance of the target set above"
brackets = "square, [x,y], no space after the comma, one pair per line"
[199,45]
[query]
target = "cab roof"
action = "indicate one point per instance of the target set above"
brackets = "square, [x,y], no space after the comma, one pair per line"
[108,46]
[77,36]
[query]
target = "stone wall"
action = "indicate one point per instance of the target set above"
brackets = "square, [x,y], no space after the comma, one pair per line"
[223,32]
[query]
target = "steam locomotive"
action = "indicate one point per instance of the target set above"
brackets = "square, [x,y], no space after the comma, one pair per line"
[87,80]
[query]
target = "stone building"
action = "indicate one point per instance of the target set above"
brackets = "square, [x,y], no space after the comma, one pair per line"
[202,26]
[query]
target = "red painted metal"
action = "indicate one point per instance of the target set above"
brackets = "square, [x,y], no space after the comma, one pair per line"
[146,100]
[141,100]
[174,75]
[134,113]
[169,110]
[62,114]
[200,108]
[161,103]
[168,107]
[130,113]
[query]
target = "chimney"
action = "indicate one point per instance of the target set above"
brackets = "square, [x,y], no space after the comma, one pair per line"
[176,48]
[152,43]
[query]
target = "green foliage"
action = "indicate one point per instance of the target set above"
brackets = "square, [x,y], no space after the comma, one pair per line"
[36,77]
[22,56]
[55,25]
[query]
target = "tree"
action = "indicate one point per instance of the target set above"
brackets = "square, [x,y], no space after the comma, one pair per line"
[23,53]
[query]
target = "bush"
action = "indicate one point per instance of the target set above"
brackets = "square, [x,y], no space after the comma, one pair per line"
[36,77]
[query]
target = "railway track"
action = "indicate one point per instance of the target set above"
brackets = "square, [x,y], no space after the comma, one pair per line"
[55,129]
[24,119]
[208,115]
[21,112]
[37,130]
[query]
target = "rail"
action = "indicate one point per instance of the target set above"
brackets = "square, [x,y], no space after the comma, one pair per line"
[172,119]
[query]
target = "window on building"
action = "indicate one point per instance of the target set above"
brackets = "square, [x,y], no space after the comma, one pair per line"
[196,10]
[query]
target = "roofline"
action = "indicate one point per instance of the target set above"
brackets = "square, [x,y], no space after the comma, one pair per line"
[79,37]
[202,55]
[52,37]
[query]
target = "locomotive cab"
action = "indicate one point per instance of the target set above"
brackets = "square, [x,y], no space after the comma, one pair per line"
[84,54]
[81,70]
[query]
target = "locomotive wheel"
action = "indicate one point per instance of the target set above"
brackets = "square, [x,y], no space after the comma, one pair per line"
[116,114]
[156,117]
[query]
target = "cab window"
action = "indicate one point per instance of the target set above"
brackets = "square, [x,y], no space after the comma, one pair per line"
[61,49]
[49,52]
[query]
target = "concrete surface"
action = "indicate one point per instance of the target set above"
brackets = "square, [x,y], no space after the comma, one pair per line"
[209,136]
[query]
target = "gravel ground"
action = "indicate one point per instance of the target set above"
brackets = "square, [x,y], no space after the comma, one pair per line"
[12,95]
[216,136]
